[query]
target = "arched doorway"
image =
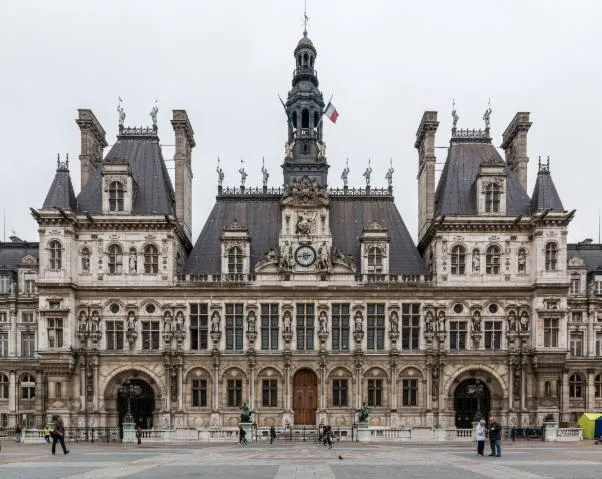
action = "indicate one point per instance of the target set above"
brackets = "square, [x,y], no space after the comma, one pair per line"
[305,397]
[472,401]
[142,405]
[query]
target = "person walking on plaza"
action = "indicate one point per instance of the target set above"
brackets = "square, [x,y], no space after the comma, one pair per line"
[18,433]
[481,431]
[47,434]
[58,435]
[241,435]
[495,437]
[272,434]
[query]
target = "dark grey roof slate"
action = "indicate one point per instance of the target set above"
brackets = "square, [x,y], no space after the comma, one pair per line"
[153,191]
[590,253]
[61,194]
[455,193]
[349,215]
[545,195]
[12,253]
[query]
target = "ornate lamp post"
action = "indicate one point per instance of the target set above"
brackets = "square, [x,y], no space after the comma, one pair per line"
[129,391]
[478,393]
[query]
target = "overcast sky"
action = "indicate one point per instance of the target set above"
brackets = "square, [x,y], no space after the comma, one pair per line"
[225,61]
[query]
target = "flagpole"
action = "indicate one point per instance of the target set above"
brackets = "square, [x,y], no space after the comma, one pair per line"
[323,111]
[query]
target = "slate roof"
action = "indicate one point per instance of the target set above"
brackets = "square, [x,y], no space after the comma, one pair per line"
[545,195]
[61,194]
[11,253]
[590,253]
[455,194]
[153,191]
[261,215]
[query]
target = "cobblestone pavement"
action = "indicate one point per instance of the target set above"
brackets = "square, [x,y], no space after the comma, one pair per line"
[285,460]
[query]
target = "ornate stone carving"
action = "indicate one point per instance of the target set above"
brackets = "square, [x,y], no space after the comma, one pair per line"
[476,321]
[306,190]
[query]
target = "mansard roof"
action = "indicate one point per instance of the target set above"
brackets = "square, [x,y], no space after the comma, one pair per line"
[261,215]
[545,196]
[153,191]
[590,253]
[61,194]
[12,253]
[456,193]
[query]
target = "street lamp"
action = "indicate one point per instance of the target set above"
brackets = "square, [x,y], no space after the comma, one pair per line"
[478,393]
[130,391]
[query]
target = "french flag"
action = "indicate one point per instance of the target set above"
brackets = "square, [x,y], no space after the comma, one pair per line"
[331,112]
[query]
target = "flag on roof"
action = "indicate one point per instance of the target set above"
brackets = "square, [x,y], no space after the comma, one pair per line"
[331,112]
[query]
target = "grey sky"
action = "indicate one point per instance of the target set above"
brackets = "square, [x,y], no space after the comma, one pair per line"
[224,61]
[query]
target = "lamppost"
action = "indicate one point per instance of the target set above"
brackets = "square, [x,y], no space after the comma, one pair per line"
[478,393]
[129,391]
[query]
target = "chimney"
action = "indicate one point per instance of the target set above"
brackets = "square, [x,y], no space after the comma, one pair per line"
[425,144]
[514,143]
[92,143]
[182,159]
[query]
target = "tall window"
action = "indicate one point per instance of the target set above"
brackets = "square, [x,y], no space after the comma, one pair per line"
[235,260]
[3,317]
[269,326]
[576,386]
[199,392]
[3,344]
[234,326]
[305,326]
[375,392]
[492,260]
[576,344]
[270,393]
[28,344]
[234,392]
[28,387]
[458,259]
[457,335]
[492,198]
[115,259]
[597,386]
[340,326]
[114,333]
[598,344]
[551,256]
[115,196]
[376,326]
[5,283]
[150,335]
[375,260]
[58,390]
[410,327]
[575,287]
[550,333]
[29,286]
[27,316]
[3,386]
[151,259]
[493,334]
[199,326]
[55,333]
[547,389]
[598,285]
[56,254]
[339,393]
[410,392]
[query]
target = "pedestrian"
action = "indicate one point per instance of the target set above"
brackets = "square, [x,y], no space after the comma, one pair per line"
[495,435]
[18,433]
[490,436]
[139,434]
[481,432]
[58,435]
[47,434]
[272,434]
[328,436]
[241,435]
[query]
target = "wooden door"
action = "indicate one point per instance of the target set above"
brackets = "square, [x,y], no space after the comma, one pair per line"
[305,397]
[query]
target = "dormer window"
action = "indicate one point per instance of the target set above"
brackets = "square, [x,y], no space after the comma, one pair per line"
[115,259]
[151,259]
[492,198]
[116,196]
[56,254]
[492,260]
[235,256]
[375,260]
[551,257]
[458,260]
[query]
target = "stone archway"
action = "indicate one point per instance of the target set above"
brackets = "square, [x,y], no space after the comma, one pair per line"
[305,397]
[472,401]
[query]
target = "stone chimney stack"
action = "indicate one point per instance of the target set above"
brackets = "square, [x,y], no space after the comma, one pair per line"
[425,144]
[92,143]
[182,159]
[514,143]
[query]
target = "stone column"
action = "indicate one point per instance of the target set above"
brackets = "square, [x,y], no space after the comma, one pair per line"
[180,386]
[565,395]
[13,335]
[591,336]
[39,392]
[252,404]
[322,386]
[96,384]
[525,389]
[510,385]
[216,382]
[287,386]
[393,386]
[590,391]
[82,385]
[429,387]
[167,386]
[441,388]
[12,392]
[358,386]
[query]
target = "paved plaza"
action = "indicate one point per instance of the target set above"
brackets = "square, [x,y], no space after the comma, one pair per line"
[283,460]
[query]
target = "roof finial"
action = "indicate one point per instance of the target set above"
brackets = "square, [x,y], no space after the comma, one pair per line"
[389,175]
[264,172]
[487,115]
[305,19]
[153,115]
[67,160]
[121,113]
[243,173]
[220,174]
[455,116]
[345,173]
[367,174]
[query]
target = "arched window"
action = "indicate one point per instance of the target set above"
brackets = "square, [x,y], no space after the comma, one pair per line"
[492,260]
[375,260]
[547,389]
[598,386]
[311,61]
[151,259]
[458,260]
[3,386]
[116,196]
[56,254]
[299,60]
[235,260]
[115,259]
[305,61]
[316,119]
[576,386]
[294,119]
[28,387]
[551,257]
[492,198]
[305,118]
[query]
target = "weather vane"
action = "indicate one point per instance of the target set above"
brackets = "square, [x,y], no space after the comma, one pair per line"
[305,19]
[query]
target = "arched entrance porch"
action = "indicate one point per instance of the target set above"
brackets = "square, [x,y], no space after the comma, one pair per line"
[472,402]
[305,397]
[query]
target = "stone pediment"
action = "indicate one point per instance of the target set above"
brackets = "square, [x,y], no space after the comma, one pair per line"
[576,261]
[28,260]
[305,192]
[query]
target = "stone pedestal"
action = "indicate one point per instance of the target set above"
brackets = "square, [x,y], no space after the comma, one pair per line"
[363,432]
[550,431]
[439,434]
[248,429]
[129,432]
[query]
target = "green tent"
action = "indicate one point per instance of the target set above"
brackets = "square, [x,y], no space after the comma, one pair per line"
[587,422]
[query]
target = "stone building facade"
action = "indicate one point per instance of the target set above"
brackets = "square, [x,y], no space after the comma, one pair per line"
[303,300]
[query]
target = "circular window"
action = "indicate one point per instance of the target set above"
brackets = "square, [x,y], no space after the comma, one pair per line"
[458,308]
[493,308]
[114,308]
[150,308]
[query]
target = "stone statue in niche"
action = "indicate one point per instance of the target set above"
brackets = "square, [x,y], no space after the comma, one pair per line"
[441,321]
[215,320]
[133,261]
[511,321]
[82,321]
[167,319]
[251,322]
[303,225]
[287,320]
[429,322]
[179,321]
[86,260]
[394,319]
[524,321]
[358,327]
[476,260]
[95,322]
[435,381]
[322,320]
[323,257]
[131,321]
[476,321]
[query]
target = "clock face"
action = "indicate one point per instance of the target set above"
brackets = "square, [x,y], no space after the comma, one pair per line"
[305,256]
